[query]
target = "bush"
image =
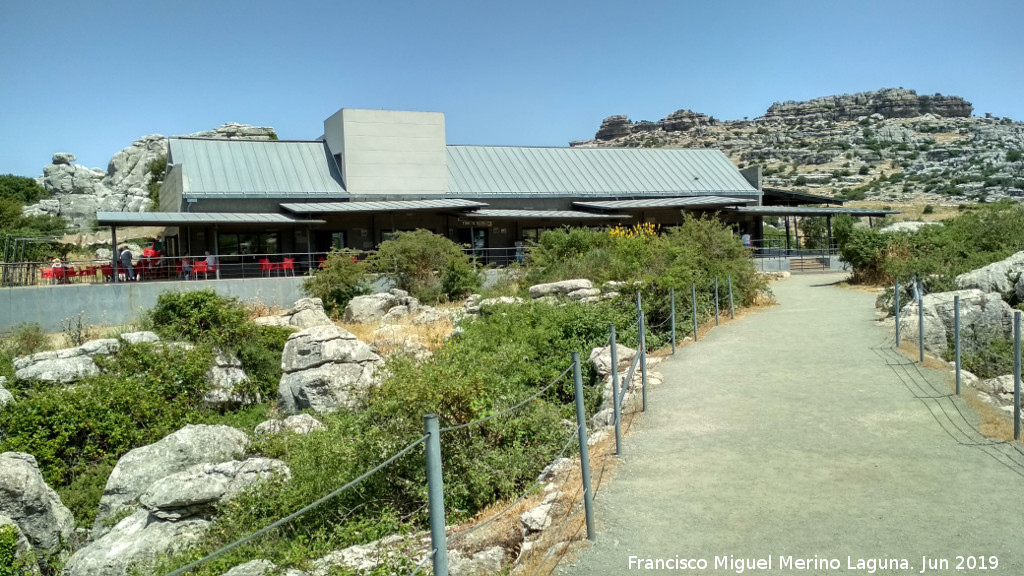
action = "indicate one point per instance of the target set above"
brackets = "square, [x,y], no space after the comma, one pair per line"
[1013,155]
[340,278]
[928,209]
[417,260]
[260,352]
[800,180]
[200,316]
[864,170]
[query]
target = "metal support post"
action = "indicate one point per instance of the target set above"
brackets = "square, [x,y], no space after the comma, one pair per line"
[732,306]
[672,315]
[920,321]
[956,339]
[643,354]
[693,299]
[113,248]
[616,409]
[581,421]
[1016,375]
[896,307]
[435,496]
[716,300]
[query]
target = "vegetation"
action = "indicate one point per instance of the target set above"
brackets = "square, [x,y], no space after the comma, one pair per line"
[16,192]
[429,266]
[156,168]
[340,278]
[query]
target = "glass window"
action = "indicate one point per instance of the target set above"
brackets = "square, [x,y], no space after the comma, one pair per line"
[227,244]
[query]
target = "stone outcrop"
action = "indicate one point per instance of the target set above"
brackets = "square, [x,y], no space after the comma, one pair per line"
[136,541]
[562,288]
[137,470]
[983,317]
[195,491]
[296,424]
[67,365]
[225,376]
[306,313]
[325,368]
[614,127]
[77,192]
[387,306]
[31,505]
[1005,277]
[889,103]
[5,395]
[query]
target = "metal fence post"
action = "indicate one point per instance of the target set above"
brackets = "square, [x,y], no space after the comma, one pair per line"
[643,354]
[956,339]
[920,320]
[672,315]
[616,410]
[435,495]
[716,300]
[896,307]
[1016,375]
[732,307]
[693,298]
[581,421]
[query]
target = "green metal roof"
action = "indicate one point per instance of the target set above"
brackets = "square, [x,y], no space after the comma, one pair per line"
[684,202]
[381,206]
[255,169]
[506,171]
[810,211]
[197,218]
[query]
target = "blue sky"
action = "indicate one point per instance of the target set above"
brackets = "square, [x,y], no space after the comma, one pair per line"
[91,77]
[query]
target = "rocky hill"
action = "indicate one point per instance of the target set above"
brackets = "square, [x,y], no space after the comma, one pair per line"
[890,145]
[77,192]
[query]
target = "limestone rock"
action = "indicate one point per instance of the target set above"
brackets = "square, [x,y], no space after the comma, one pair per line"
[536,519]
[396,314]
[369,308]
[144,337]
[325,367]
[614,127]
[135,541]
[982,318]
[560,288]
[195,491]
[5,395]
[59,370]
[888,103]
[429,315]
[224,377]
[33,506]
[296,424]
[308,312]
[601,358]
[61,158]
[483,563]
[588,294]
[1004,277]
[137,470]
[252,568]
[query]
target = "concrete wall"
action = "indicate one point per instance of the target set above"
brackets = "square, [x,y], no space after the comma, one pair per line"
[116,304]
[387,152]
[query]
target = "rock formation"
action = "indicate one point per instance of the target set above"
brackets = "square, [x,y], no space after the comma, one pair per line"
[888,102]
[31,505]
[77,192]
[325,368]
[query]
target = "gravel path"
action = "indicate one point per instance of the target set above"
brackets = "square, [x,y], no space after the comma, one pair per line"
[797,432]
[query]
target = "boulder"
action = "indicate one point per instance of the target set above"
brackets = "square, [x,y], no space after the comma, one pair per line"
[135,542]
[983,317]
[483,563]
[296,424]
[252,568]
[144,337]
[5,396]
[369,308]
[1001,387]
[137,470]
[429,315]
[601,358]
[30,504]
[560,288]
[195,491]
[66,365]
[1005,277]
[224,377]
[325,367]
[536,519]
[588,294]
[396,314]
[308,312]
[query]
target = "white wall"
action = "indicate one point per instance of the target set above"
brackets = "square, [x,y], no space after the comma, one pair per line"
[388,152]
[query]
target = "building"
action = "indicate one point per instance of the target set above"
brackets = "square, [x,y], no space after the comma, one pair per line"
[374,173]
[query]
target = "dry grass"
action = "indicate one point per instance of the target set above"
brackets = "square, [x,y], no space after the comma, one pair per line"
[402,332]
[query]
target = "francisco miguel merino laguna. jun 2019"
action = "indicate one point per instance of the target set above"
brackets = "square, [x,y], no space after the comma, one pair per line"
[861,565]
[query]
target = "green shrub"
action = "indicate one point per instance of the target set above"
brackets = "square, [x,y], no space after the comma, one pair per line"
[340,278]
[10,564]
[260,352]
[864,170]
[928,209]
[1013,155]
[199,316]
[417,260]
[801,180]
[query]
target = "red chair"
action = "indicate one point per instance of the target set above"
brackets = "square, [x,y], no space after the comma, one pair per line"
[288,264]
[108,272]
[265,266]
[47,274]
[141,269]
[60,275]
[201,268]
[320,262]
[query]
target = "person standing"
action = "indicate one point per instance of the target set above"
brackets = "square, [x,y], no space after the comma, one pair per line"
[126,263]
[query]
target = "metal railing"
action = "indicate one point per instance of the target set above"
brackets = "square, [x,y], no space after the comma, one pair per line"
[801,247]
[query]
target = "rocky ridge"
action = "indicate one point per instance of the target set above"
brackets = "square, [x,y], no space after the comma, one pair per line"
[889,145]
[78,192]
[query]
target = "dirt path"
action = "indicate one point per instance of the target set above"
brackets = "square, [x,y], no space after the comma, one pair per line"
[796,432]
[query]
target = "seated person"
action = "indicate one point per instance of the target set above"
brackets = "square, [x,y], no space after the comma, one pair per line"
[186,266]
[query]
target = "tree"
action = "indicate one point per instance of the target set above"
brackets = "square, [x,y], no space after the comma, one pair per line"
[417,261]
[22,189]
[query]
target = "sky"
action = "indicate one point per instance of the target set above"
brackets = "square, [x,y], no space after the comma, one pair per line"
[91,77]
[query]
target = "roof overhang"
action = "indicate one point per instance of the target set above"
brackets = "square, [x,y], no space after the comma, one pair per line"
[810,211]
[199,219]
[780,195]
[382,206]
[681,202]
[564,215]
